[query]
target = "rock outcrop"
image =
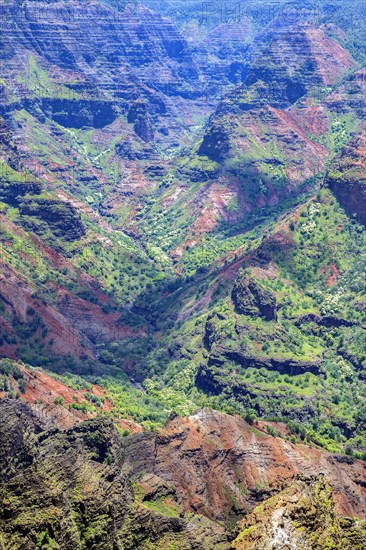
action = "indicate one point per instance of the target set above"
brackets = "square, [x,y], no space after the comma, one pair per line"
[111,59]
[347,177]
[68,490]
[125,221]
[222,467]
[301,516]
[250,298]
[269,133]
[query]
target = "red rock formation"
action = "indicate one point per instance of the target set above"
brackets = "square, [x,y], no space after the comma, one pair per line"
[220,465]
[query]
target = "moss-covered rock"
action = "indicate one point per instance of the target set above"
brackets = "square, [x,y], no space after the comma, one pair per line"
[301,517]
[67,490]
[251,298]
[347,178]
[60,216]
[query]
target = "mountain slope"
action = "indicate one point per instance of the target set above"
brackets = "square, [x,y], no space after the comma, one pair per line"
[278,330]
[68,491]
[260,153]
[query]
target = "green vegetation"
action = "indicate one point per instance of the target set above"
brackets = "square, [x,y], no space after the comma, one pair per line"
[319,276]
[12,382]
[314,521]
[323,409]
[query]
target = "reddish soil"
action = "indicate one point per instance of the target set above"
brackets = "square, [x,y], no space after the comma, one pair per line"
[222,458]
[312,120]
[307,160]
[42,387]
[332,274]
[41,390]
[214,204]
[270,272]
[69,319]
[332,60]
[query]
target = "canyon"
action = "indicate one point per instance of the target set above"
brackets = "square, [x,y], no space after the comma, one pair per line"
[182,299]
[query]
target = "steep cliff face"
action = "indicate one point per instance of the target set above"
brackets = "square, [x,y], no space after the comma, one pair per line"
[60,332]
[270,138]
[53,310]
[102,108]
[295,56]
[267,148]
[278,329]
[58,321]
[249,465]
[250,298]
[54,402]
[109,59]
[94,95]
[136,239]
[67,490]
